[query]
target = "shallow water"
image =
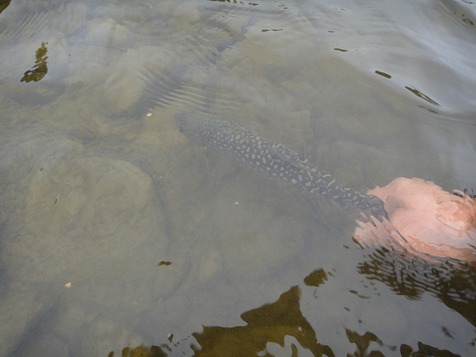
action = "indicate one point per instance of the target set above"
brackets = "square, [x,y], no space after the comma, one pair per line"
[118,231]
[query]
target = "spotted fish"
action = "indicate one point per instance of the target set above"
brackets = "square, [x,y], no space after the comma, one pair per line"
[274,160]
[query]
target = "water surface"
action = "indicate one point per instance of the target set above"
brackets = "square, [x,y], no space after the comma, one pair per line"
[117,231]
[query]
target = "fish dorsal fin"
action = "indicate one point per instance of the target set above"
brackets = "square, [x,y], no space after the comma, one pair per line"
[283,153]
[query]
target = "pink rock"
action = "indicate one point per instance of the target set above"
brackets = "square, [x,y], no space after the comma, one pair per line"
[425,220]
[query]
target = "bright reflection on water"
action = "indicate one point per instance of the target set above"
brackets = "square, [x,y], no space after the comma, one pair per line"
[118,232]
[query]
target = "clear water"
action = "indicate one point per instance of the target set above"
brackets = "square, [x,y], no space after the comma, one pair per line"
[117,231]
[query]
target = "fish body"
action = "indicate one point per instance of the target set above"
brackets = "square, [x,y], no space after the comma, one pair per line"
[273,160]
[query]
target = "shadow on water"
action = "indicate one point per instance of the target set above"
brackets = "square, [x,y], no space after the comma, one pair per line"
[280,328]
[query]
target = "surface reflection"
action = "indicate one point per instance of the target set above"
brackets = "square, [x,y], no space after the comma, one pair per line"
[452,282]
[40,67]
[270,323]
[4,4]
[116,231]
[421,95]
[280,328]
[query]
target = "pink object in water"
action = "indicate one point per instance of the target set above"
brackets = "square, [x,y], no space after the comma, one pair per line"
[425,219]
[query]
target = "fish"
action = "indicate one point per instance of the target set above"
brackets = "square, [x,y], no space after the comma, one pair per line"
[274,160]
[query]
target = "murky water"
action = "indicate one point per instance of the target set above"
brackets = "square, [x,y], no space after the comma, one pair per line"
[117,231]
